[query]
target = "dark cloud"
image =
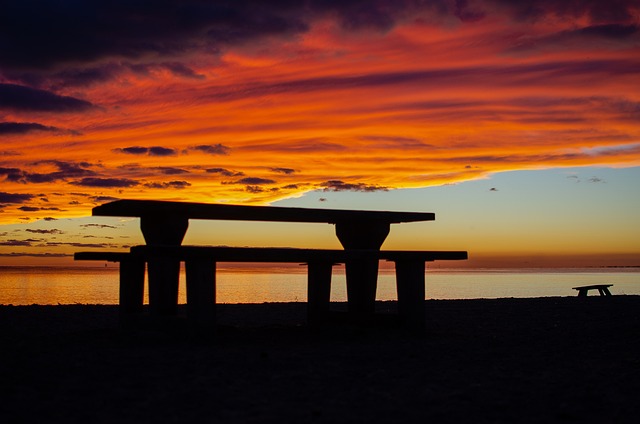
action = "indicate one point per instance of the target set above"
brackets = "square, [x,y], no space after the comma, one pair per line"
[17,97]
[337,185]
[162,151]
[65,170]
[286,171]
[12,174]
[254,189]
[176,68]
[48,34]
[166,170]
[10,128]
[212,149]
[14,197]
[84,245]
[35,255]
[18,242]
[103,199]
[106,182]
[36,209]
[90,75]
[170,184]
[151,151]
[224,172]
[135,150]
[53,35]
[57,45]
[609,31]
[596,180]
[97,226]
[291,187]
[82,77]
[588,37]
[615,11]
[40,231]
[254,181]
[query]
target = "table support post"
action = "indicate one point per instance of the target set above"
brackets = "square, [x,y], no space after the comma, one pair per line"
[131,289]
[318,291]
[410,280]
[362,272]
[362,281]
[163,273]
[201,293]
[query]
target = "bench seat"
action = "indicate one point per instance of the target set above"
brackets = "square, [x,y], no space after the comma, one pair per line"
[200,266]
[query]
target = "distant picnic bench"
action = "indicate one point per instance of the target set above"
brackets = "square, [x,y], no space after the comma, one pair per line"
[361,234]
[603,289]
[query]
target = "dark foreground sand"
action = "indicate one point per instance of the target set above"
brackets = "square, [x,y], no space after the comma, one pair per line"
[507,360]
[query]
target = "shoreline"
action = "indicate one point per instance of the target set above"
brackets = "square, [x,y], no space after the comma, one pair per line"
[484,360]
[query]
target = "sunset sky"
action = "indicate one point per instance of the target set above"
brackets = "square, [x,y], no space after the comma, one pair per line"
[517,123]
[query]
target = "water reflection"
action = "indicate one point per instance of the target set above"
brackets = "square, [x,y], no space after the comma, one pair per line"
[52,286]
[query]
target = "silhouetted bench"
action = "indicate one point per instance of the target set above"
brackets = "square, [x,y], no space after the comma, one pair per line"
[164,224]
[200,266]
[602,288]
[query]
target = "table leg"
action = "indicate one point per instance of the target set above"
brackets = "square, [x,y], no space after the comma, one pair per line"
[362,281]
[410,280]
[318,292]
[163,272]
[131,289]
[362,273]
[201,293]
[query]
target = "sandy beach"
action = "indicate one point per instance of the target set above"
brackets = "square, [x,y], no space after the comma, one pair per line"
[507,360]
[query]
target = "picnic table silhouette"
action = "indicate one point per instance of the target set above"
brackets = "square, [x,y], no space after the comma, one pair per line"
[361,233]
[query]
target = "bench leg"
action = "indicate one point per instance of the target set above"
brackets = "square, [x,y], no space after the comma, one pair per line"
[605,291]
[582,292]
[131,289]
[201,293]
[362,281]
[410,280]
[318,292]
[164,274]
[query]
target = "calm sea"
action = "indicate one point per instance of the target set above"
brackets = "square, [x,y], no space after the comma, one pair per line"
[52,286]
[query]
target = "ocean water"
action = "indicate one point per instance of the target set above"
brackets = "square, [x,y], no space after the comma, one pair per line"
[52,286]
